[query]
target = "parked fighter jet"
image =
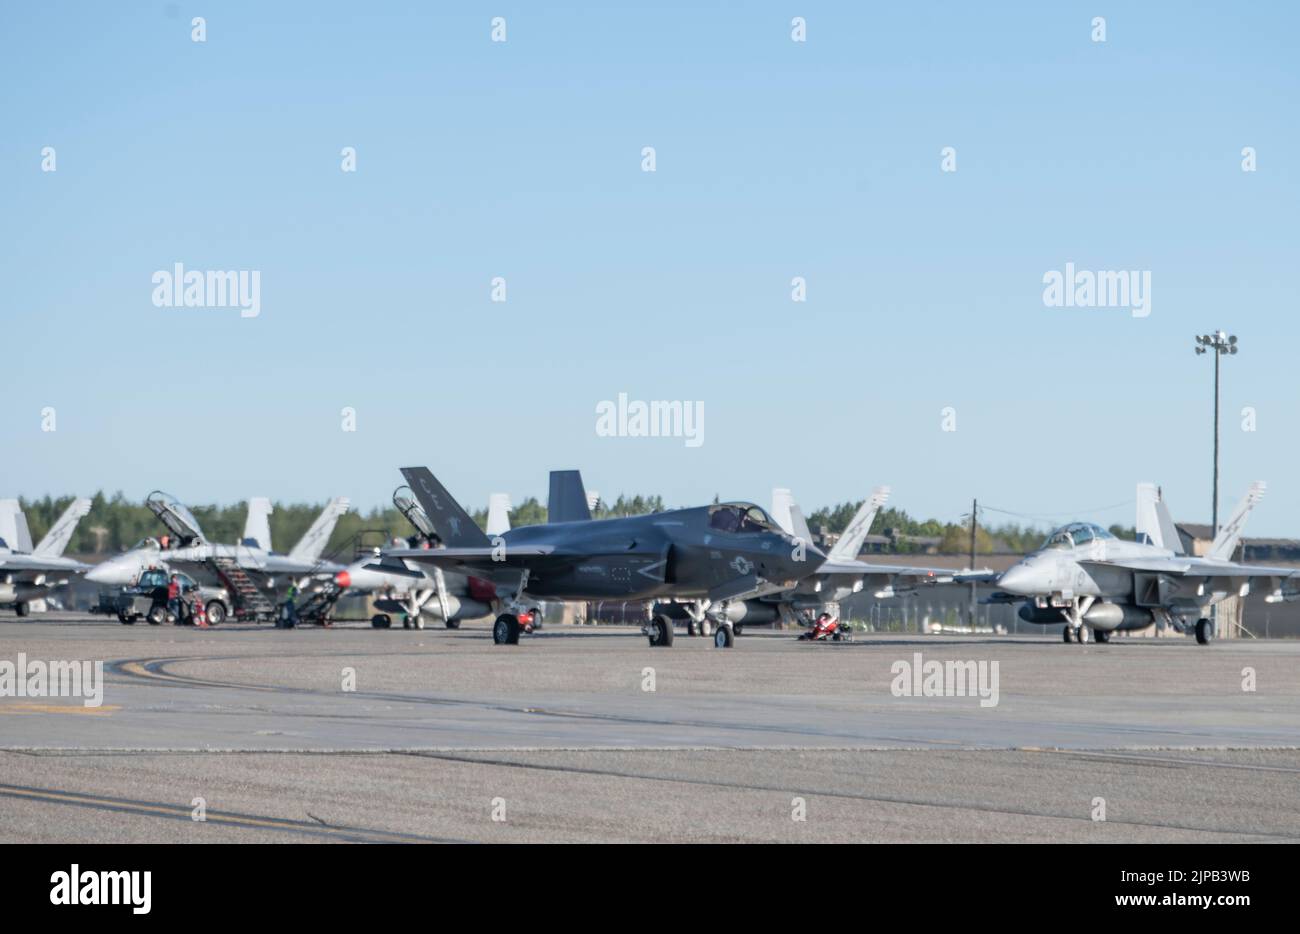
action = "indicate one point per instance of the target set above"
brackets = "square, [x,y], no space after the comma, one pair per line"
[838,578]
[28,574]
[411,589]
[1088,579]
[187,545]
[713,555]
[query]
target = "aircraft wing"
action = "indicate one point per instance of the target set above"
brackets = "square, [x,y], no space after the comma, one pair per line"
[884,577]
[1195,567]
[14,562]
[470,557]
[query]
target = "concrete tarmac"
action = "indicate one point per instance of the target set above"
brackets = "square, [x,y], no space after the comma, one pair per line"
[360,734]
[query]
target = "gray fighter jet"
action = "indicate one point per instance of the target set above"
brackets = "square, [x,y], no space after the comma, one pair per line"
[186,545]
[28,574]
[711,555]
[1085,577]
[415,592]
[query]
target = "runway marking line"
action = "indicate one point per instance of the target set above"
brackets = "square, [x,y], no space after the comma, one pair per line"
[314,827]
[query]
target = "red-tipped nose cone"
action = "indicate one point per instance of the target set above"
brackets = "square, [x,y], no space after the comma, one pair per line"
[343,579]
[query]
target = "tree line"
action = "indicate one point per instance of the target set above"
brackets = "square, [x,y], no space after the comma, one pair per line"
[116,523]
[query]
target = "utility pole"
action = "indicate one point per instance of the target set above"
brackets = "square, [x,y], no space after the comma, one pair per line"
[1219,344]
[974,518]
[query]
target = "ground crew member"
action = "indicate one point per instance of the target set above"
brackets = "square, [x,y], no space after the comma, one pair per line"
[174,591]
[290,609]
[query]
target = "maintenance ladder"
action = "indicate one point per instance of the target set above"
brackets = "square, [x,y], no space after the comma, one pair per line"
[250,602]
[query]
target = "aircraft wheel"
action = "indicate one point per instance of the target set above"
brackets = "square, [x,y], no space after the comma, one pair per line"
[661,632]
[381,621]
[22,609]
[406,621]
[1065,634]
[723,637]
[1101,635]
[216,611]
[506,630]
[1204,631]
[1081,635]
[690,628]
[738,629]
[452,623]
[706,628]
[418,622]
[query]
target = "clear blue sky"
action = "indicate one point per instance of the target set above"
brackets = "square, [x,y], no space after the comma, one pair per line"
[775,160]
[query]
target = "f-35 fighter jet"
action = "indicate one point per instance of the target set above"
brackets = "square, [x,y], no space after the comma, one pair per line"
[712,555]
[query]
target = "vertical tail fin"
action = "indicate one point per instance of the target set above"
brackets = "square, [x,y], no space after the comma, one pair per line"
[567,501]
[56,539]
[782,502]
[789,516]
[257,527]
[498,517]
[452,523]
[1154,524]
[850,543]
[314,540]
[13,526]
[1225,543]
[800,524]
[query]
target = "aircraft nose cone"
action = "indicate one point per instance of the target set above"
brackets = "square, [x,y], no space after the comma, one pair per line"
[1019,578]
[99,574]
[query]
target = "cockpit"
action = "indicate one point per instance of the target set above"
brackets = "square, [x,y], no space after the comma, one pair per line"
[1075,534]
[740,517]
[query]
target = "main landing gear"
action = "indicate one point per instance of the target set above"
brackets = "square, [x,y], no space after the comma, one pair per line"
[660,632]
[507,628]
[505,631]
[1204,631]
[700,621]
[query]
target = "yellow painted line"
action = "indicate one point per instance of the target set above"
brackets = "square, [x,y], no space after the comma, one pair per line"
[138,669]
[102,710]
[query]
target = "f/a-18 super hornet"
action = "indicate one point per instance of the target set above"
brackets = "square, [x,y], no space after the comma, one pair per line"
[28,574]
[839,577]
[187,547]
[713,555]
[415,590]
[1085,577]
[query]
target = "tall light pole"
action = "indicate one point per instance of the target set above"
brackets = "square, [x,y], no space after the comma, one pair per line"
[1218,344]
